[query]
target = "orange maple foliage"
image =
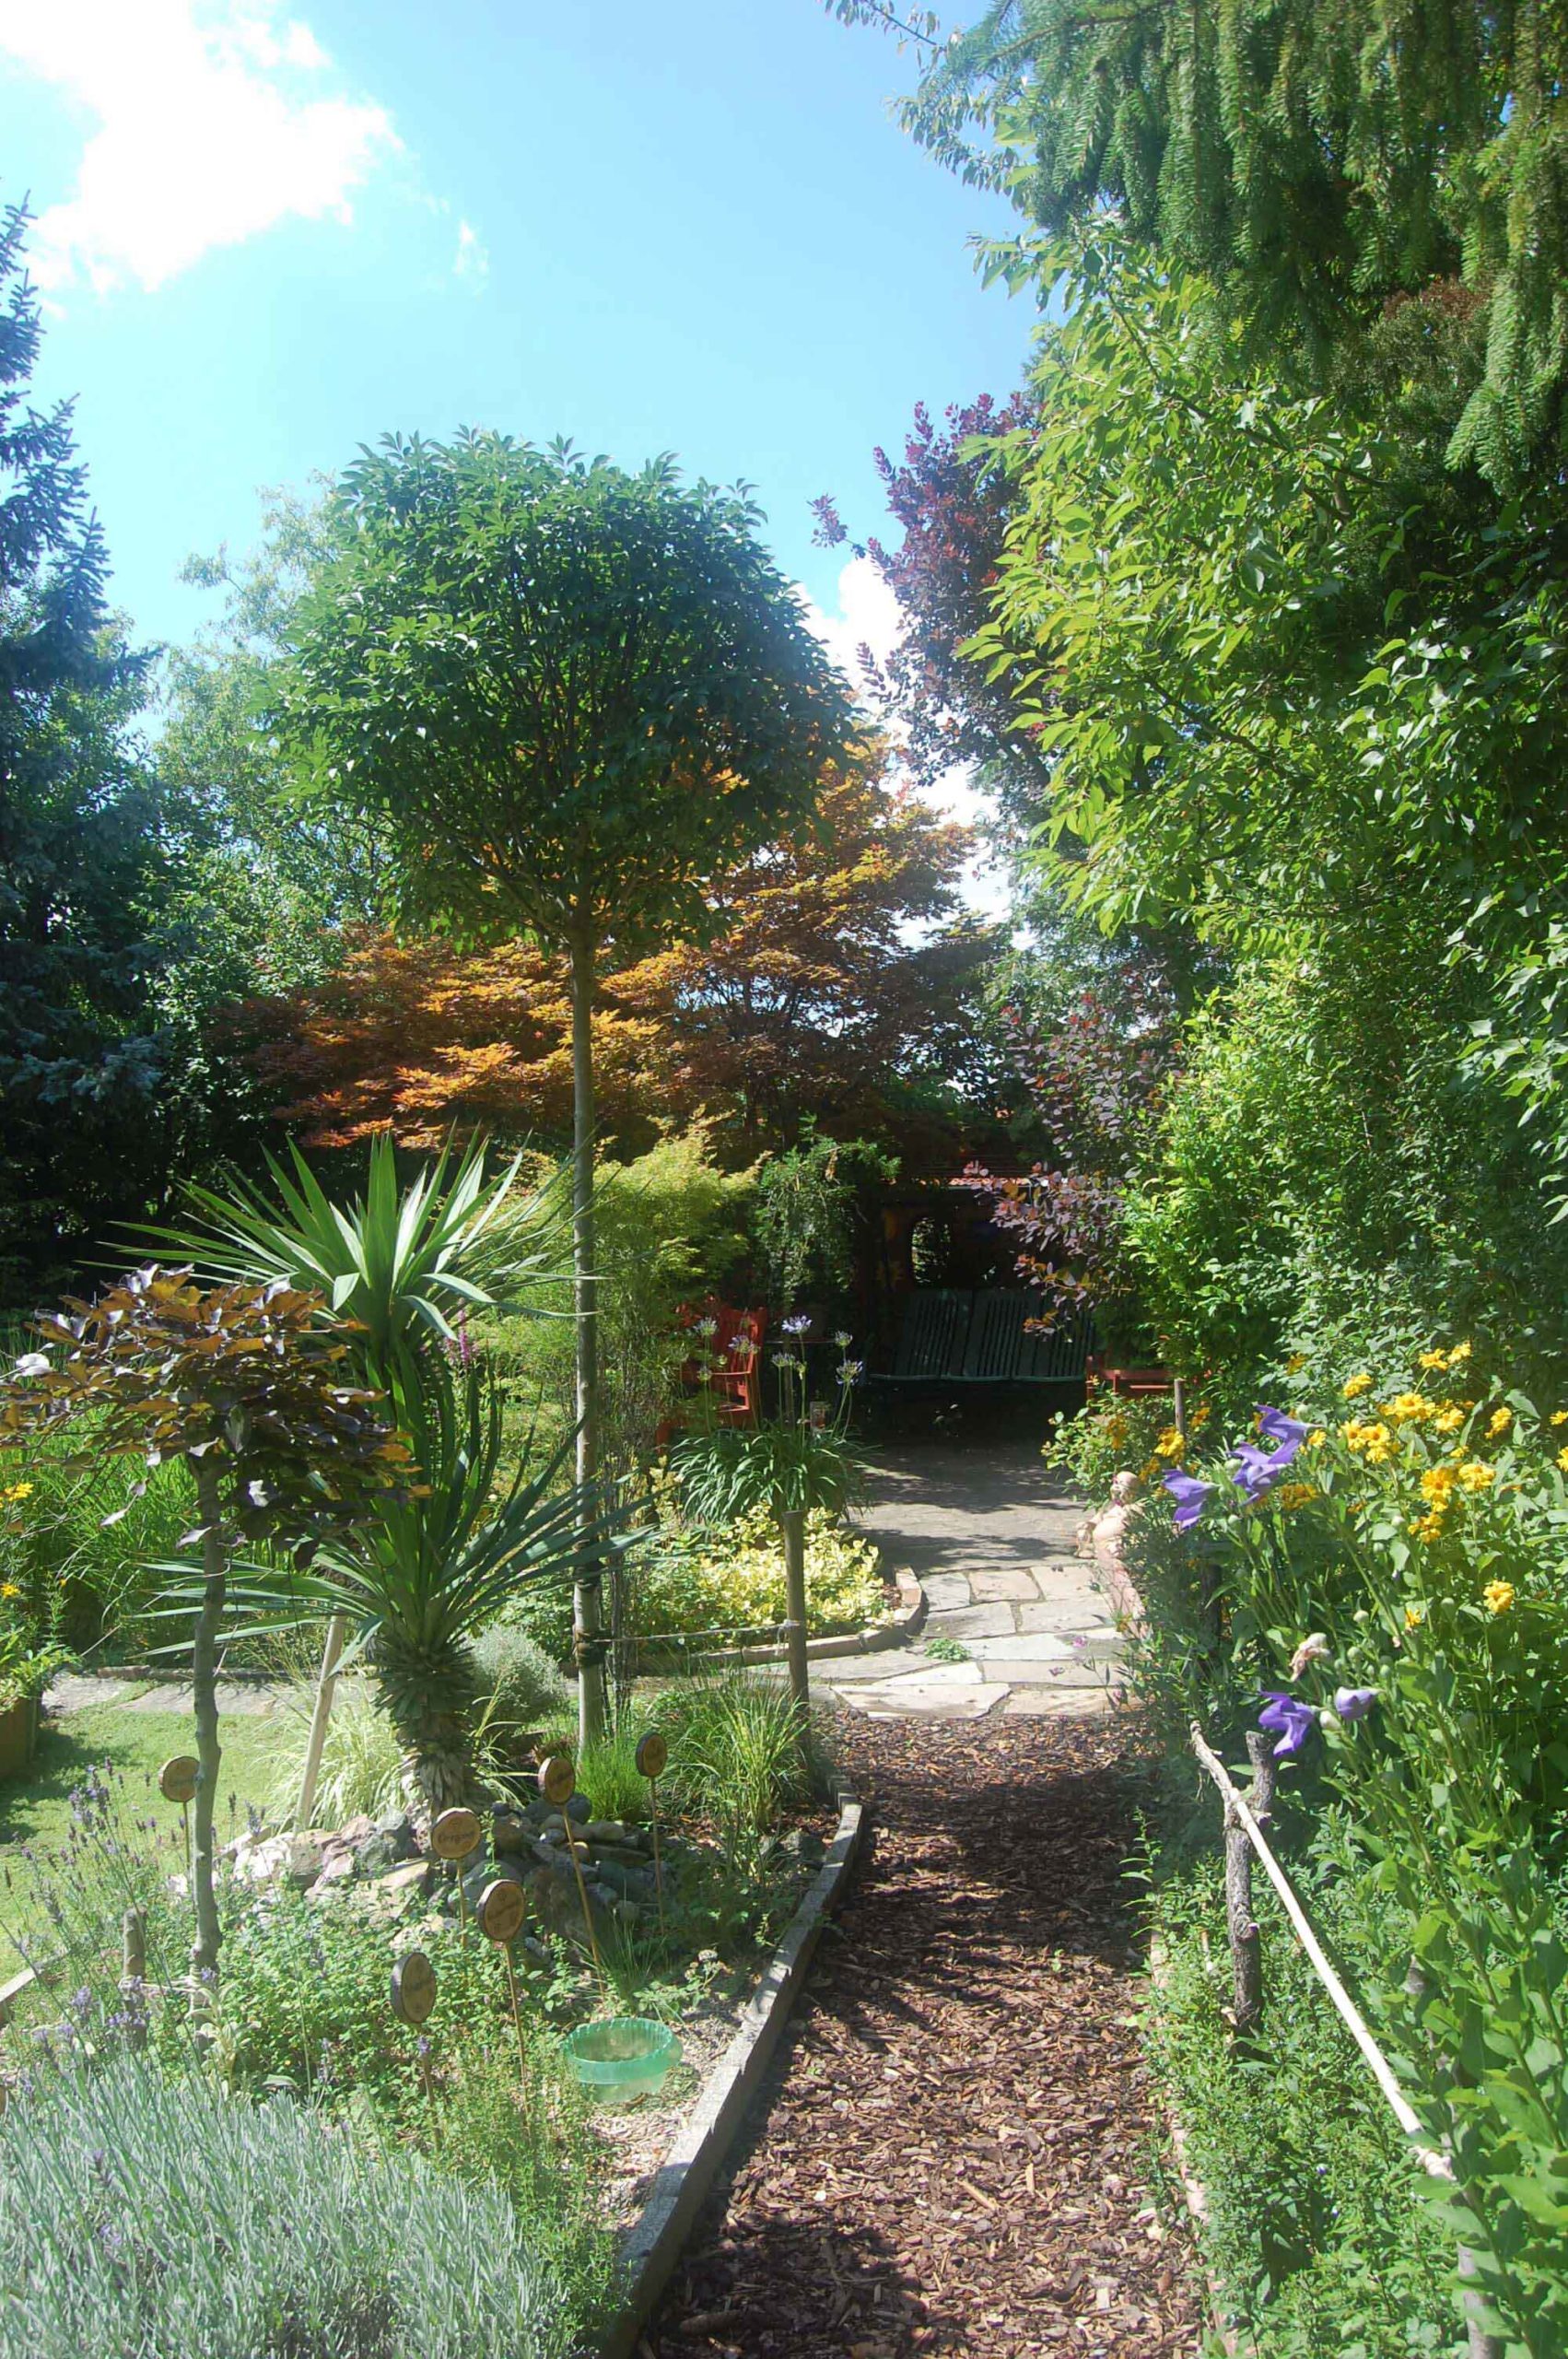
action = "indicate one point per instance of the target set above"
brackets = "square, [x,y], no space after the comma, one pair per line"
[810,999]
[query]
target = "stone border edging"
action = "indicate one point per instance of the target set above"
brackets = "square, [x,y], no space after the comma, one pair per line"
[652,2244]
[873,1639]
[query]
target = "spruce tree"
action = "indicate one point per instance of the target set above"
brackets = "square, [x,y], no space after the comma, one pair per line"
[1316,160]
[79,1063]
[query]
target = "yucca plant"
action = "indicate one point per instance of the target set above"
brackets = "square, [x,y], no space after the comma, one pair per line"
[418,1584]
[405,1265]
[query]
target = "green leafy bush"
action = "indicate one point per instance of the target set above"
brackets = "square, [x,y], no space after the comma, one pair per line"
[141,2213]
[1317,2231]
[671,1227]
[1387,1567]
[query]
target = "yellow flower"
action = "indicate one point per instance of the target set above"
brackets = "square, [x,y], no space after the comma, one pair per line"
[1414,1616]
[1197,1418]
[1499,1422]
[1410,1408]
[1476,1475]
[1432,1359]
[1436,1484]
[9,1589]
[1297,1362]
[11,1492]
[1560,1417]
[1459,1353]
[1316,1437]
[1172,1443]
[1356,1384]
[1293,1495]
[1562,1460]
[1498,1596]
[1449,1418]
[1428,1527]
[1148,1470]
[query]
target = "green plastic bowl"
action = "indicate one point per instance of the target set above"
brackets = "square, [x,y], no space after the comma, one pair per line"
[623,2059]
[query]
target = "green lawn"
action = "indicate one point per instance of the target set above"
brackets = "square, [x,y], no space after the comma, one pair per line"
[36,1809]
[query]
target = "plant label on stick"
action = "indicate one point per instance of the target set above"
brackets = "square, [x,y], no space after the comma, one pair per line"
[557,1783]
[652,1753]
[455,1834]
[501,1911]
[177,1778]
[499,1917]
[177,1783]
[557,1780]
[412,1996]
[413,1988]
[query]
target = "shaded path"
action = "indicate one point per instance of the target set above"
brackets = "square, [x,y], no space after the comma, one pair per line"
[951,2153]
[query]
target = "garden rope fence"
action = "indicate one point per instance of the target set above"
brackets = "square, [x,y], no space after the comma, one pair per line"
[1239,1816]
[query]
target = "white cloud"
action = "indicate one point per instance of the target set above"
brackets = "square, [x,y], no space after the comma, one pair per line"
[869,618]
[470,263]
[208,126]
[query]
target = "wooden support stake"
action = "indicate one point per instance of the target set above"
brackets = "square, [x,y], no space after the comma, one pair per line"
[133,1976]
[1246,1946]
[326,1688]
[653,1756]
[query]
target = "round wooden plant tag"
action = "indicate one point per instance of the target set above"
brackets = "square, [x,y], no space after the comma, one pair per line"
[501,1911]
[652,1753]
[413,1988]
[455,1834]
[557,1780]
[177,1778]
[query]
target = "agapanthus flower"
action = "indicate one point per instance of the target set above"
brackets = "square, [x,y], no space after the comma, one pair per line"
[1354,1703]
[1287,1718]
[1189,1494]
[798,1325]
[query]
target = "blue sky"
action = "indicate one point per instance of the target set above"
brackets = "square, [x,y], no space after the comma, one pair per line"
[270,232]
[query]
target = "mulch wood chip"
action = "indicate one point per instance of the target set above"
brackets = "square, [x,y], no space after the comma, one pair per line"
[952,2151]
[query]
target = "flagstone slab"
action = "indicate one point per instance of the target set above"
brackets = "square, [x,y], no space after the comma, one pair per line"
[1033,1646]
[1003,1582]
[974,1621]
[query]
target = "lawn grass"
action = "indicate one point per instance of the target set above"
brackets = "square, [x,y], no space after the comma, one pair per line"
[35,1810]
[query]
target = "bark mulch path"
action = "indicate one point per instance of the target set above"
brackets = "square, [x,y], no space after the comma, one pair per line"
[952,2151]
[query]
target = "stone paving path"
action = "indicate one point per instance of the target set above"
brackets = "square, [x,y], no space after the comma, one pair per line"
[990,1534]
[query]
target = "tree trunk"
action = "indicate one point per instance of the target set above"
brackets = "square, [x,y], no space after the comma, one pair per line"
[587,1594]
[438,1768]
[793,1527]
[204,1683]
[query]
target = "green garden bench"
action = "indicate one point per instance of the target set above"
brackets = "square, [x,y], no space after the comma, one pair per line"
[951,1335]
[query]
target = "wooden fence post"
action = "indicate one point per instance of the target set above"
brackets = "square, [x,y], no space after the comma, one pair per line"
[1246,1946]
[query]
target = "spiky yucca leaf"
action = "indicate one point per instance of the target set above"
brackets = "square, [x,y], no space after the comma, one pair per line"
[403,1264]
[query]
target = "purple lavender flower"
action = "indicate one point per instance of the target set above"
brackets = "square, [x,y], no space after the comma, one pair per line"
[1189,1494]
[1287,1718]
[1354,1703]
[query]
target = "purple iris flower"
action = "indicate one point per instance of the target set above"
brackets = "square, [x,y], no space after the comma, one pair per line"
[1354,1703]
[1280,1428]
[1189,1494]
[1287,1718]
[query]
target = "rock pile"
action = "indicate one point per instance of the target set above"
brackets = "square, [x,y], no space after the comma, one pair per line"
[360,1851]
[530,1845]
